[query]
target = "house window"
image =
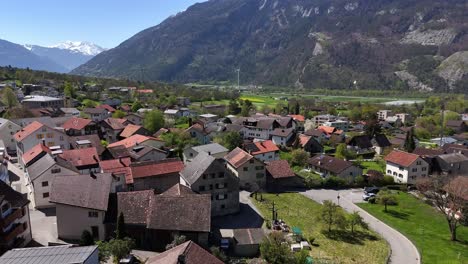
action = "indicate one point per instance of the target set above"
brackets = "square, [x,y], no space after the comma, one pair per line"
[414,170]
[270,157]
[418,162]
[204,176]
[259,167]
[39,136]
[400,175]
[201,188]
[260,175]
[61,138]
[423,169]
[221,174]
[389,172]
[45,195]
[50,135]
[56,170]
[211,186]
[251,161]
[223,206]
[221,197]
[213,175]
[92,214]
[45,183]
[246,169]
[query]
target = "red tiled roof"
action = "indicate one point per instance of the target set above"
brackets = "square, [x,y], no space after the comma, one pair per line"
[117,167]
[125,108]
[28,130]
[279,169]
[115,123]
[402,158]
[152,168]
[265,147]
[130,141]
[107,107]
[129,130]
[146,91]
[237,157]
[304,139]
[34,152]
[299,118]
[81,157]
[330,130]
[76,123]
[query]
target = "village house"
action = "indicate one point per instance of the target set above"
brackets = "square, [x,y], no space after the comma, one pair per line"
[81,204]
[200,133]
[213,149]
[383,114]
[70,111]
[40,173]
[68,254]
[328,166]
[452,164]
[280,176]
[188,252]
[15,223]
[257,128]
[97,114]
[263,150]
[361,144]
[338,124]
[172,114]
[209,175]
[109,108]
[457,126]
[37,133]
[300,121]
[120,169]
[142,153]
[87,141]
[76,126]
[405,118]
[131,130]
[183,101]
[308,143]
[177,211]
[320,136]
[135,119]
[319,120]
[282,137]
[405,167]
[112,127]
[380,144]
[249,170]
[7,131]
[86,160]
[156,175]
[39,101]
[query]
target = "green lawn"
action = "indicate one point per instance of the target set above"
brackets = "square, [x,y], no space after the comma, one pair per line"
[372,165]
[298,210]
[426,227]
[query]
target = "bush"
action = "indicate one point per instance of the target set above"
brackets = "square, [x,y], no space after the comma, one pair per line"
[387,180]
[372,200]
[359,181]
[313,182]
[334,182]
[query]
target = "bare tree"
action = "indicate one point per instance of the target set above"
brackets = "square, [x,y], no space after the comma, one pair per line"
[449,195]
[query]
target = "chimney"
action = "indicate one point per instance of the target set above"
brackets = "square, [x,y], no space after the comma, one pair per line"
[43,142]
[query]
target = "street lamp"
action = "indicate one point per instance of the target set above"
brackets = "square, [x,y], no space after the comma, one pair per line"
[338,197]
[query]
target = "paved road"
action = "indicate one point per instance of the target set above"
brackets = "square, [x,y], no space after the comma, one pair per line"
[403,250]
[248,217]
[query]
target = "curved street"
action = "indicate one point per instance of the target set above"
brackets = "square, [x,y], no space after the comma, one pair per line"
[403,250]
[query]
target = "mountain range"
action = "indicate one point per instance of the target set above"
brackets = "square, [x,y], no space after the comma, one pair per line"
[61,58]
[333,44]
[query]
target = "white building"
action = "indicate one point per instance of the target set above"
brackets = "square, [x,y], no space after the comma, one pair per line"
[39,101]
[319,120]
[338,124]
[405,167]
[7,131]
[383,114]
[263,150]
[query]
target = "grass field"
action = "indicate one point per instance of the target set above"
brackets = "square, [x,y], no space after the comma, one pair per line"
[426,227]
[297,210]
[372,165]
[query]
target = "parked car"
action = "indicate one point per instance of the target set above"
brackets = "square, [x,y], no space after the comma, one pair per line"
[366,196]
[373,190]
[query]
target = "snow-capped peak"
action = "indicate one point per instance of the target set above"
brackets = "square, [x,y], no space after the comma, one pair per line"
[83,47]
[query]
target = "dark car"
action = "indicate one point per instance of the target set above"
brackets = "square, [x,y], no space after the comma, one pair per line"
[369,190]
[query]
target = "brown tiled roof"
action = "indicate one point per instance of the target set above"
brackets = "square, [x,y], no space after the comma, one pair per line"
[304,139]
[314,133]
[93,138]
[402,158]
[261,147]
[130,130]
[193,254]
[329,163]
[238,157]
[130,141]
[95,110]
[107,107]
[115,123]
[279,169]
[81,157]
[86,191]
[156,168]
[76,123]
[445,147]
[427,151]
[279,132]
[178,190]
[118,167]
[454,123]
[299,118]
[134,206]
[28,130]
[37,150]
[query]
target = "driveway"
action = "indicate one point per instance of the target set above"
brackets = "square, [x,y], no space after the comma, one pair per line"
[247,217]
[403,250]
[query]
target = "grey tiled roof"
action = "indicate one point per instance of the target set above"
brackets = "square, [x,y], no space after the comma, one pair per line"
[212,148]
[197,167]
[50,255]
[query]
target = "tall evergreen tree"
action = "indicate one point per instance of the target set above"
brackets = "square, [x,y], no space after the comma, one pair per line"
[410,144]
[120,230]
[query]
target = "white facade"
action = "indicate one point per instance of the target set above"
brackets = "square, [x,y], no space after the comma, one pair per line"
[7,130]
[281,141]
[268,156]
[73,220]
[321,119]
[383,114]
[251,174]
[409,175]
[253,132]
[338,124]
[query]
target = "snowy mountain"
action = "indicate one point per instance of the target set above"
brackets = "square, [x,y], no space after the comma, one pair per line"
[83,47]
[69,54]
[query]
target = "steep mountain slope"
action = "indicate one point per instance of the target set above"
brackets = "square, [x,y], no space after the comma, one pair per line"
[336,44]
[18,56]
[69,54]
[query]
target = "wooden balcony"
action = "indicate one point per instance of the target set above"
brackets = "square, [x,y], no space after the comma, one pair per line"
[16,214]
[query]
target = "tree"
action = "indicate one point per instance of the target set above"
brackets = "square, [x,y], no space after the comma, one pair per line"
[115,248]
[410,144]
[136,106]
[332,215]
[118,114]
[447,195]
[233,107]
[86,238]
[230,140]
[372,128]
[385,198]
[274,249]
[178,240]
[153,120]
[178,141]
[355,219]
[88,103]
[341,152]
[301,257]
[299,157]
[219,254]
[246,107]
[120,230]
[9,97]
[68,90]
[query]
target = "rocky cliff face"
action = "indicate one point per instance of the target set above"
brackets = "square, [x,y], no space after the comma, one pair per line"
[335,44]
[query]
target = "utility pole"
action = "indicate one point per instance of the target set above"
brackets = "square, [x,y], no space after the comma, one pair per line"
[442,124]
[238,79]
[273,211]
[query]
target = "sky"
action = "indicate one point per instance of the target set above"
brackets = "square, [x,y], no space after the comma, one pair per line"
[106,23]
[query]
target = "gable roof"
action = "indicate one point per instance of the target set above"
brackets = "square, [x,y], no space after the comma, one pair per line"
[249,236]
[212,148]
[261,147]
[28,130]
[134,206]
[314,133]
[304,139]
[81,157]
[455,123]
[281,132]
[115,123]
[95,111]
[41,165]
[421,151]
[238,157]
[86,191]
[130,141]
[402,158]
[193,254]
[382,141]
[195,169]
[329,163]
[452,158]
[34,152]
[361,141]
[299,118]
[130,130]
[76,123]
[107,107]
[279,169]
[156,168]
[16,199]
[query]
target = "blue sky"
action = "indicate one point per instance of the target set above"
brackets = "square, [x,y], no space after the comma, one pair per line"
[104,22]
